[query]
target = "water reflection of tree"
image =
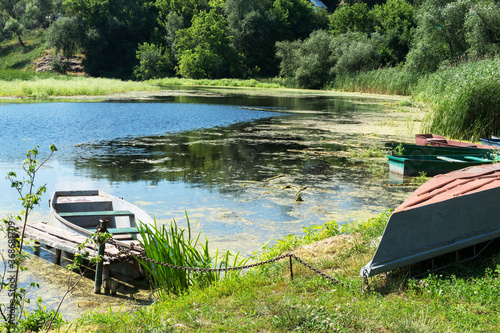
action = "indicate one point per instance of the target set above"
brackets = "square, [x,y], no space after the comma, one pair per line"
[209,156]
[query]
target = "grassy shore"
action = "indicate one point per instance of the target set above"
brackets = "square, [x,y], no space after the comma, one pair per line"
[465,298]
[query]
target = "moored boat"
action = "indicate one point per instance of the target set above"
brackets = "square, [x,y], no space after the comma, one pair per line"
[412,149]
[491,142]
[441,141]
[412,165]
[80,212]
[448,213]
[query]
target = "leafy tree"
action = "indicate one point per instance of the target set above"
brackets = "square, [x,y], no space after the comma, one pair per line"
[310,61]
[66,35]
[440,34]
[21,15]
[395,21]
[355,51]
[182,8]
[94,12]
[351,18]
[483,29]
[296,19]
[113,29]
[205,49]
[252,23]
[154,62]
[316,61]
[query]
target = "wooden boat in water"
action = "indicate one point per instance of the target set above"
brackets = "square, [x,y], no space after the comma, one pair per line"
[80,212]
[412,165]
[491,142]
[441,141]
[448,213]
[412,149]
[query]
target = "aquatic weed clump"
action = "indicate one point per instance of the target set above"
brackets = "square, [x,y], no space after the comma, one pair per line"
[171,245]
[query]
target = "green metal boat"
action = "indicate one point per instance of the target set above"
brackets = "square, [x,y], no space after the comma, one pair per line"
[413,165]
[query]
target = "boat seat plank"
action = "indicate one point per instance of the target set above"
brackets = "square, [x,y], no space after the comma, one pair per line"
[98,213]
[448,159]
[475,158]
[118,231]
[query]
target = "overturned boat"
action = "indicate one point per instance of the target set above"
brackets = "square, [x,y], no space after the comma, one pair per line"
[448,213]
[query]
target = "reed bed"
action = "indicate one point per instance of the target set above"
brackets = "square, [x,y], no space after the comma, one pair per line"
[175,246]
[394,81]
[250,83]
[69,86]
[464,100]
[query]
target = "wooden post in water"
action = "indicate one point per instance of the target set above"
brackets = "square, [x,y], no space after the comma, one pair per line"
[58,256]
[291,269]
[106,279]
[100,252]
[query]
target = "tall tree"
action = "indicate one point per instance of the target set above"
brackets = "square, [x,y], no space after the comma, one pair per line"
[113,31]
[351,18]
[296,18]
[395,21]
[252,24]
[21,15]
[440,34]
[205,48]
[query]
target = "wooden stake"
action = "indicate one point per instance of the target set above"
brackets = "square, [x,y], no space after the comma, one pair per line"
[100,253]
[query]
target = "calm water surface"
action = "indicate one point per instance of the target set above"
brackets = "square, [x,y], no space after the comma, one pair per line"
[234,164]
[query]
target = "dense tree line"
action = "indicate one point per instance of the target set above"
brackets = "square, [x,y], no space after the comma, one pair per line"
[146,39]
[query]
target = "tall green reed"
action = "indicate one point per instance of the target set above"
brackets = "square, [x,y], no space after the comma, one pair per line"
[380,81]
[464,100]
[175,246]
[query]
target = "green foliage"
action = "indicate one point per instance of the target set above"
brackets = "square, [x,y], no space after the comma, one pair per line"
[351,18]
[296,19]
[395,21]
[59,65]
[39,319]
[154,62]
[290,242]
[370,229]
[448,30]
[251,23]
[463,100]
[310,61]
[175,246]
[30,197]
[205,50]
[302,318]
[354,52]
[17,16]
[483,29]
[381,81]
[66,35]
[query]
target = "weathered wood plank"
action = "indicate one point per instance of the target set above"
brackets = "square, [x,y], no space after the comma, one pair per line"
[67,241]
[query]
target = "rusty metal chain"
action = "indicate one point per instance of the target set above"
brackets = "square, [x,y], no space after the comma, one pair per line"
[142,255]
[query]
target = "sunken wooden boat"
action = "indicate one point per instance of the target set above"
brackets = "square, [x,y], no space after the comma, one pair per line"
[413,165]
[412,149]
[80,212]
[448,213]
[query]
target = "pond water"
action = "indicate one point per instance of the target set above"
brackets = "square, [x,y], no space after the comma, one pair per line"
[234,163]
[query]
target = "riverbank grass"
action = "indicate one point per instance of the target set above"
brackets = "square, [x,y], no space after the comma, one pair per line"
[464,298]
